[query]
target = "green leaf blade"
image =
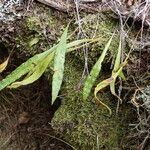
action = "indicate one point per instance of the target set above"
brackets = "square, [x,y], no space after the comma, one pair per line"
[99,87]
[117,71]
[95,72]
[118,57]
[17,73]
[23,69]
[90,80]
[59,61]
[39,70]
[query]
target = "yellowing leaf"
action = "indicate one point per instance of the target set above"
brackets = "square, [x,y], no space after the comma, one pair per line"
[29,67]
[24,68]
[4,65]
[103,84]
[112,84]
[39,70]
[117,71]
[100,86]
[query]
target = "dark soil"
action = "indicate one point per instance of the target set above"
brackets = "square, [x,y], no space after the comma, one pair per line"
[25,118]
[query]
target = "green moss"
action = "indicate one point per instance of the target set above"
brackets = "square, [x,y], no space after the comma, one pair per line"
[99,26]
[34,23]
[85,125]
[42,24]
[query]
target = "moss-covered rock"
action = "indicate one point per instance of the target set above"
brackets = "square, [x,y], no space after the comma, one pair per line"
[39,30]
[85,125]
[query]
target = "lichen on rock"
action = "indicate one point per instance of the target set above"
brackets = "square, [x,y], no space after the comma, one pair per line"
[8,11]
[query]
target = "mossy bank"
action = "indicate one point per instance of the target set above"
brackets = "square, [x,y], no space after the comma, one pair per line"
[85,125]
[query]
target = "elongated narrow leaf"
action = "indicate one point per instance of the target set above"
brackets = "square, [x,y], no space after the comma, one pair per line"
[80,43]
[95,72]
[59,61]
[114,76]
[109,82]
[29,65]
[77,43]
[23,69]
[116,67]
[100,86]
[4,65]
[118,57]
[103,84]
[39,70]
[112,84]
[117,71]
